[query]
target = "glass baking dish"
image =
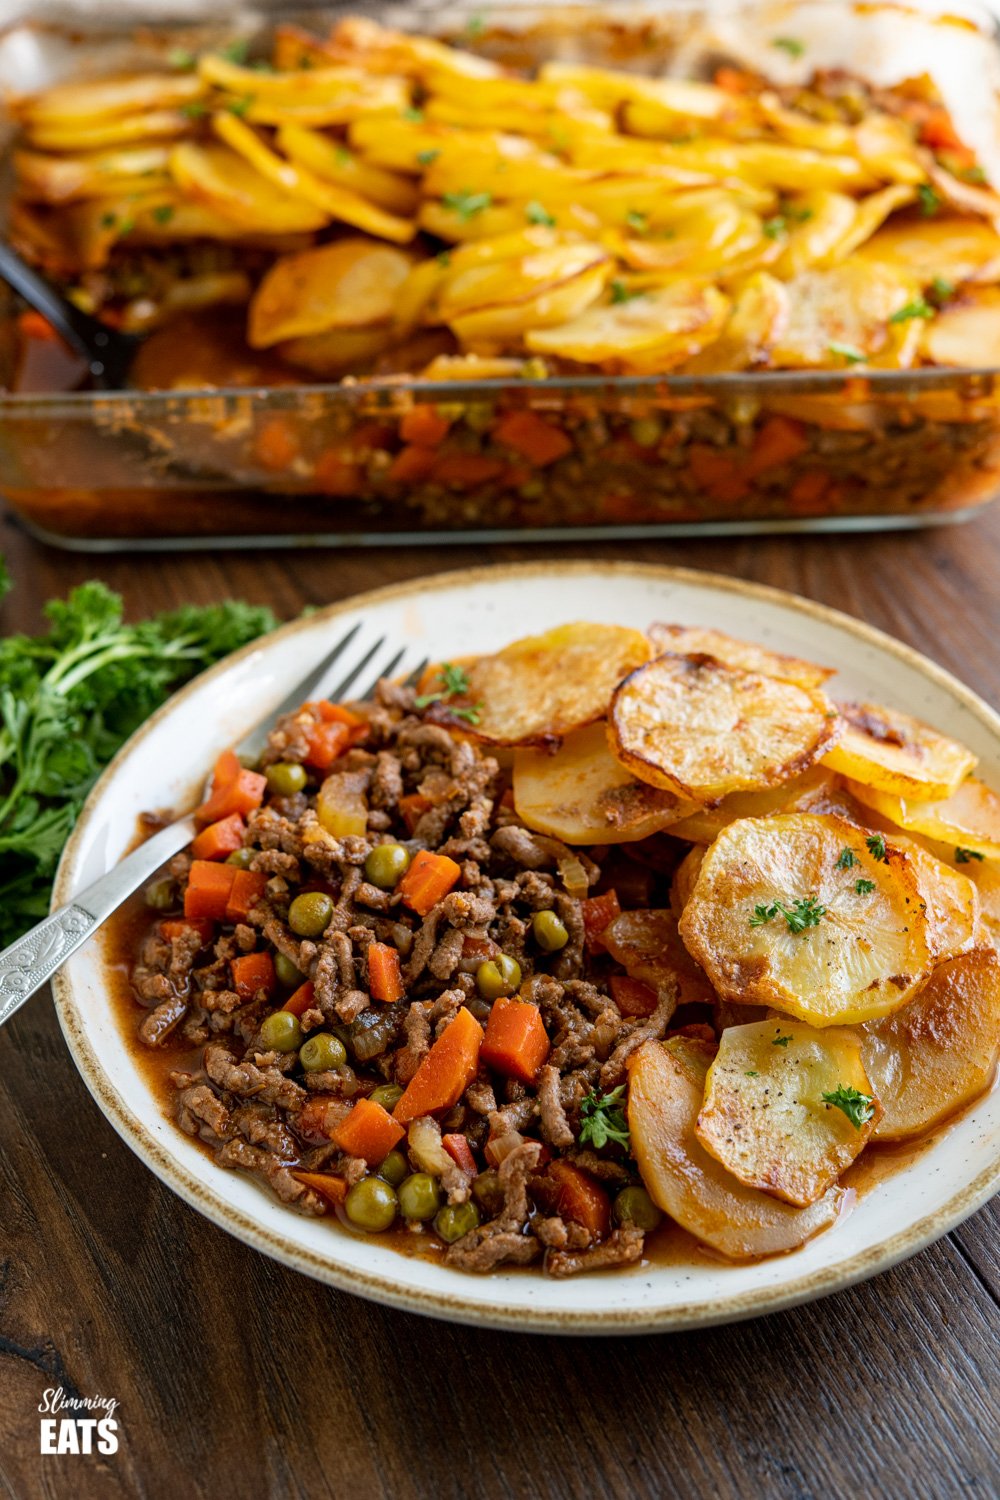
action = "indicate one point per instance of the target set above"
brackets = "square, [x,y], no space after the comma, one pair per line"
[641,456]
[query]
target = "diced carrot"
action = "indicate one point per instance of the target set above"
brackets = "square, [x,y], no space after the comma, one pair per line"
[368,1131]
[632,997]
[336,713]
[252,972]
[333,1189]
[175,927]
[411,465]
[429,878]
[581,1198]
[248,887]
[319,1117]
[276,445]
[598,912]
[460,1152]
[208,889]
[219,840]
[32,325]
[325,743]
[808,495]
[516,1043]
[467,468]
[537,440]
[776,441]
[412,808]
[446,1071]
[938,131]
[234,790]
[301,1000]
[385,978]
[717,473]
[424,425]
[336,475]
[733,80]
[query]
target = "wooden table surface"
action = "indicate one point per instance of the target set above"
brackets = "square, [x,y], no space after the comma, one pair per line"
[238,1378]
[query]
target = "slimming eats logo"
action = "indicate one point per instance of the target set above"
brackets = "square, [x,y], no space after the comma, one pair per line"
[83,1433]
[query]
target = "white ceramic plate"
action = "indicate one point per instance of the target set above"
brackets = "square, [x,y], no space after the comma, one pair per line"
[163,765]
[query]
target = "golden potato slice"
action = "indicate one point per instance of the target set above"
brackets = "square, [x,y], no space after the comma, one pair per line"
[647,945]
[809,792]
[951,901]
[703,729]
[759,314]
[108,131]
[338,351]
[665,1094]
[811,228]
[871,213]
[72,103]
[887,749]
[657,328]
[686,639]
[769,1115]
[685,877]
[798,912]
[940,1051]
[706,239]
[331,161]
[968,820]
[492,279]
[966,334]
[958,249]
[845,308]
[225,182]
[351,283]
[583,796]
[538,689]
[985,876]
[94,174]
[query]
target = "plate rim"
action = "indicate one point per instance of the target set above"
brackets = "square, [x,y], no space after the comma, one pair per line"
[454,1306]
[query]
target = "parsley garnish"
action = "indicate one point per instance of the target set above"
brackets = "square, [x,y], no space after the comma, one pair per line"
[876,848]
[864,887]
[163,213]
[803,913]
[963,856]
[475,25]
[466,203]
[789,44]
[847,860]
[775,227]
[414,115]
[621,293]
[237,51]
[636,221]
[181,59]
[603,1120]
[942,287]
[537,213]
[108,221]
[752,1073]
[454,682]
[918,308]
[858,1107]
[444,258]
[972,174]
[930,201]
[427,158]
[240,106]
[848,352]
[195,110]
[781,1041]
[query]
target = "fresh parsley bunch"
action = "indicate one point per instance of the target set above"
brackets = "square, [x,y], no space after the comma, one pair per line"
[68,700]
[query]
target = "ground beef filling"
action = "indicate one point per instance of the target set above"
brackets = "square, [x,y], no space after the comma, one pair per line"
[260,1111]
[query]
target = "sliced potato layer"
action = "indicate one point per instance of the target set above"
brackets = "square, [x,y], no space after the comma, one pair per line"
[582,795]
[666,1091]
[951,901]
[893,752]
[703,729]
[768,1116]
[691,639]
[648,947]
[351,283]
[684,879]
[810,792]
[940,1051]
[968,820]
[535,691]
[798,912]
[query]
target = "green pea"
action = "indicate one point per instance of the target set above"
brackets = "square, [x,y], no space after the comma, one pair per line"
[388,1095]
[394,1169]
[285,778]
[241,858]
[371,1204]
[479,415]
[280,1032]
[456,1219]
[322,1051]
[646,431]
[419,1197]
[488,1193]
[309,914]
[386,864]
[286,971]
[633,1205]
[498,976]
[159,894]
[532,489]
[550,934]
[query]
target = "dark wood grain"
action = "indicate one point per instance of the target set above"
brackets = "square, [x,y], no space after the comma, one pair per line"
[238,1378]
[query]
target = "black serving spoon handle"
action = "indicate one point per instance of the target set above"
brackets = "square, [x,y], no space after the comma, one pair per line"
[109,354]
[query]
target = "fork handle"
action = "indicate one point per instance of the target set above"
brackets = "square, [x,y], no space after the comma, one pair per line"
[34,958]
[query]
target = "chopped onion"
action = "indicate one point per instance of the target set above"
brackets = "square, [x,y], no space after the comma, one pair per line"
[573,875]
[424,1141]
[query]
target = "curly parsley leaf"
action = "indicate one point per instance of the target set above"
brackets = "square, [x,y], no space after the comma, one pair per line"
[876,848]
[859,1108]
[965,856]
[864,887]
[847,860]
[454,682]
[803,913]
[603,1120]
[466,204]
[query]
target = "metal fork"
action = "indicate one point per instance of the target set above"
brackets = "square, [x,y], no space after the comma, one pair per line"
[34,958]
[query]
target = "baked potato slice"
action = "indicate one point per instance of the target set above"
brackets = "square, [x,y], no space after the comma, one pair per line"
[893,752]
[967,334]
[957,249]
[224,181]
[658,328]
[647,945]
[704,729]
[687,639]
[938,1052]
[809,792]
[665,1095]
[846,307]
[685,877]
[951,902]
[799,911]
[758,317]
[968,820]
[349,283]
[539,689]
[771,1114]
[582,795]
[70,104]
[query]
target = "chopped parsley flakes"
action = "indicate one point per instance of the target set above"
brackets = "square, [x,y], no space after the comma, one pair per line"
[859,1108]
[803,913]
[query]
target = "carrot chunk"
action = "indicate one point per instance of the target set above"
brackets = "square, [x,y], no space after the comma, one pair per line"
[234,790]
[424,425]
[777,441]
[301,1000]
[220,839]
[429,879]
[467,469]
[632,997]
[537,440]
[252,972]
[276,445]
[248,888]
[446,1071]
[368,1131]
[333,1189]
[460,1152]
[581,1199]
[175,927]
[516,1043]
[385,978]
[208,888]
[325,743]
[412,808]
[411,465]
[598,913]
